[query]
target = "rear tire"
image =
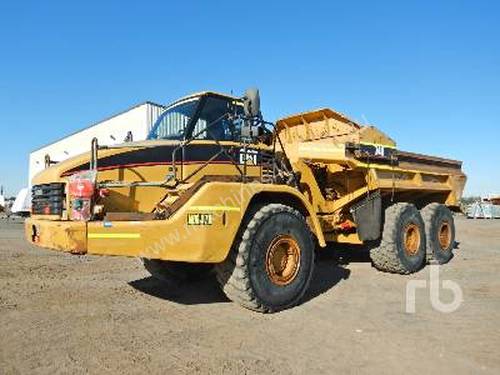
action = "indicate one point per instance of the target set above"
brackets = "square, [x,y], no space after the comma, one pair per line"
[439,232]
[271,264]
[175,273]
[402,247]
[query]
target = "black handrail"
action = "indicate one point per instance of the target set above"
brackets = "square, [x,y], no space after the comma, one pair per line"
[185,143]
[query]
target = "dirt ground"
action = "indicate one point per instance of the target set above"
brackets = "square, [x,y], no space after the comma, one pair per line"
[62,313]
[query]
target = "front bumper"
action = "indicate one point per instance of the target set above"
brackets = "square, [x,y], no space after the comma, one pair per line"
[155,239]
[69,236]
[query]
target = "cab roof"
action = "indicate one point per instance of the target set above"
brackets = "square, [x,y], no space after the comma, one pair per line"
[200,94]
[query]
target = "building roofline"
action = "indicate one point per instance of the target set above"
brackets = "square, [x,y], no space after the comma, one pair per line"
[99,122]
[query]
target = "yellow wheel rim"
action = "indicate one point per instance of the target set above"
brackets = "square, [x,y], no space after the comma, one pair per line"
[411,239]
[283,260]
[444,235]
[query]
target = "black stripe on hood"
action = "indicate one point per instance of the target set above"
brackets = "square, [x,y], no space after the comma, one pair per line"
[163,155]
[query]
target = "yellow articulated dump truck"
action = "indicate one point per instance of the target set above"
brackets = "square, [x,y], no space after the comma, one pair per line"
[216,188]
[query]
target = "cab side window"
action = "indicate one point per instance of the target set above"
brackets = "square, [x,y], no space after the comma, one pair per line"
[214,114]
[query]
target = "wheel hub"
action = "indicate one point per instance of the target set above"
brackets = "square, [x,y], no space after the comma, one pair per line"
[444,234]
[283,260]
[412,239]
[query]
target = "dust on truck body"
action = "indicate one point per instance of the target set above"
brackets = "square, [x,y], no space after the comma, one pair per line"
[215,188]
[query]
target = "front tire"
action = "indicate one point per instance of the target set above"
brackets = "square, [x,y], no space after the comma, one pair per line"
[402,248]
[270,266]
[175,273]
[439,232]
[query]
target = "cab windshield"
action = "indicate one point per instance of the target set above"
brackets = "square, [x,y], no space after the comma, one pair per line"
[173,122]
[207,117]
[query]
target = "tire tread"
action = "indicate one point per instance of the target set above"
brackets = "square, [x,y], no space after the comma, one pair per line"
[232,274]
[383,257]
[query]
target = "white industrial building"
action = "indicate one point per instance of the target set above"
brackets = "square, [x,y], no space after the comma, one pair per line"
[135,122]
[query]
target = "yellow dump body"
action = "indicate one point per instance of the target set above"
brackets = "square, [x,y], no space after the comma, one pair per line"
[354,159]
[335,162]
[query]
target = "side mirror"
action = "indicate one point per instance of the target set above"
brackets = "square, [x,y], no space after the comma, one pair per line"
[251,102]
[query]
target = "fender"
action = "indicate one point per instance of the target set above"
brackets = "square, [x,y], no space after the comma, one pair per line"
[289,196]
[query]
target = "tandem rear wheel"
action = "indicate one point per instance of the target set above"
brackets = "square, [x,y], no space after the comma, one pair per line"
[411,237]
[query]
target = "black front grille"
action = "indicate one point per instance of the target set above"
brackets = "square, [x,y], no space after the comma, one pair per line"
[47,199]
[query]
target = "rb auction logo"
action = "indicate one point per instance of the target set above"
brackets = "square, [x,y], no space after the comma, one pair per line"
[436,302]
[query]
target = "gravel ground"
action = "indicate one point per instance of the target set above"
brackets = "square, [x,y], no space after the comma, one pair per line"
[62,313]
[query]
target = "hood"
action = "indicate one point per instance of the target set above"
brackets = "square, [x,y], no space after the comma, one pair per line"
[114,156]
